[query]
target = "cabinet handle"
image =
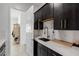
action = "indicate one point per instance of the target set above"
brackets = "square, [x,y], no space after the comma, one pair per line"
[61,24]
[65,23]
[54,54]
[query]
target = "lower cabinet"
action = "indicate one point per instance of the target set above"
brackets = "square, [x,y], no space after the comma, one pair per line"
[52,53]
[41,50]
[35,48]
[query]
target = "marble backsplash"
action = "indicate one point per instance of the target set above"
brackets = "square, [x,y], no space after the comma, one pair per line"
[44,33]
[48,29]
[67,35]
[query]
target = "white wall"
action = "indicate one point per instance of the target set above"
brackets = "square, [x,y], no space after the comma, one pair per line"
[64,35]
[5,25]
[27,21]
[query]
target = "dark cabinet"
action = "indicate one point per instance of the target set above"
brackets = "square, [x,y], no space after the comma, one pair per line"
[42,50]
[69,16]
[47,11]
[58,16]
[52,53]
[51,10]
[35,47]
[76,16]
[66,16]
[35,21]
[39,50]
[40,23]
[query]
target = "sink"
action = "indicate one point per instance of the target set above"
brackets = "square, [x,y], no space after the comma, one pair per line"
[44,39]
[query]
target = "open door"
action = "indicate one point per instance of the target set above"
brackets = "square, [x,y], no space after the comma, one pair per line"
[27,24]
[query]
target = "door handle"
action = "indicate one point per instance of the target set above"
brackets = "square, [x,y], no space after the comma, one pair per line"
[54,55]
[65,23]
[61,24]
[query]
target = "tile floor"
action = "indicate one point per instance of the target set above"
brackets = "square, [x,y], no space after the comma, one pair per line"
[17,49]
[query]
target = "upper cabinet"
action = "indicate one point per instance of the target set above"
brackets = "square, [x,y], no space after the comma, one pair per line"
[58,16]
[47,11]
[69,16]
[66,16]
[77,16]
[35,21]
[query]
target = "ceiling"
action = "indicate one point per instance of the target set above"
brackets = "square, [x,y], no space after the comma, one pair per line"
[26,6]
[18,7]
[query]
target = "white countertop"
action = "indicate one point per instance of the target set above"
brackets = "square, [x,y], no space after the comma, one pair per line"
[1,42]
[63,50]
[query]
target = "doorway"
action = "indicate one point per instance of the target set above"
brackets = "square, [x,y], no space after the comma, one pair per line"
[15,47]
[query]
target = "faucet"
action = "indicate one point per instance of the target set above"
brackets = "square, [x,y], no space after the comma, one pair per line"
[47,32]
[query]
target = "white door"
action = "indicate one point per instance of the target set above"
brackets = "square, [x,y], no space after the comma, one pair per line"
[27,24]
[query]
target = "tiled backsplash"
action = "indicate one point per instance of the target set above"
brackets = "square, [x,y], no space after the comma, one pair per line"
[43,33]
[64,35]
[67,35]
[35,33]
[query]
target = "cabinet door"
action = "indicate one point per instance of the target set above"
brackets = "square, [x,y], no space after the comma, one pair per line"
[35,21]
[51,10]
[39,14]
[39,49]
[40,23]
[35,48]
[46,11]
[69,16]
[50,52]
[58,16]
[77,16]
[53,53]
[43,50]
